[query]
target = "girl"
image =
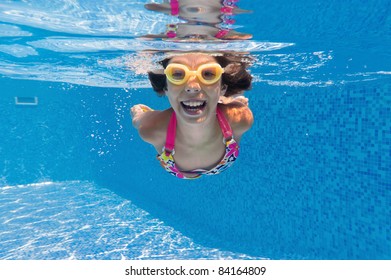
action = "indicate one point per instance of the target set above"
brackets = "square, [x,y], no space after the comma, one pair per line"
[198,135]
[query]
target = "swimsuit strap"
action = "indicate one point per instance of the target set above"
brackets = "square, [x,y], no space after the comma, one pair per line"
[221,33]
[174,7]
[224,124]
[171,132]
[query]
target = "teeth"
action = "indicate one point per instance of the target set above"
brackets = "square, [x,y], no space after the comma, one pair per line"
[193,103]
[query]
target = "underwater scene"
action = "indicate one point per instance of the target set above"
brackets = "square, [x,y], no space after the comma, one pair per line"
[79,177]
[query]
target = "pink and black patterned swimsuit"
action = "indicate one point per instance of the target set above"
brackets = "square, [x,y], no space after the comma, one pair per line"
[231,150]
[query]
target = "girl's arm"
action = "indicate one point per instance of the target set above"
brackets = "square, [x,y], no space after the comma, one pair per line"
[138,114]
[239,116]
[150,124]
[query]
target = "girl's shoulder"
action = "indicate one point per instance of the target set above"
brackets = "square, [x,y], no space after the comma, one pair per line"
[153,126]
[237,113]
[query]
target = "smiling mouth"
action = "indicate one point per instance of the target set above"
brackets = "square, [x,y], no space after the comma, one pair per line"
[193,107]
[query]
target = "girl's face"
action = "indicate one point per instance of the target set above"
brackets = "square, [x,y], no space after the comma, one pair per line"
[196,99]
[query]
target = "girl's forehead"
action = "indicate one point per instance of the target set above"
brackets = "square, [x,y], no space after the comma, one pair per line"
[193,59]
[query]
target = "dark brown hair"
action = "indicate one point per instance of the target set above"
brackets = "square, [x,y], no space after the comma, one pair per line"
[236,77]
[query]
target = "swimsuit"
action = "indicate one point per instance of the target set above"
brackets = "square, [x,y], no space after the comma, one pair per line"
[231,150]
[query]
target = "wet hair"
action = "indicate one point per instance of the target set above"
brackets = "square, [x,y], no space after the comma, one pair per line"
[236,77]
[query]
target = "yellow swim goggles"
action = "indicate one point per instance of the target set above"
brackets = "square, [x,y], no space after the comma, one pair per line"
[208,74]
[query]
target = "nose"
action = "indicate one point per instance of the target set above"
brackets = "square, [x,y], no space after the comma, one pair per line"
[192,85]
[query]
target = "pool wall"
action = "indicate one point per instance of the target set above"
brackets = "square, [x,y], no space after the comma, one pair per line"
[44,141]
[312,181]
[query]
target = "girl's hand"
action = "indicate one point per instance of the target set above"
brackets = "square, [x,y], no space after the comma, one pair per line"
[238,98]
[136,111]
[241,99]
[139,109]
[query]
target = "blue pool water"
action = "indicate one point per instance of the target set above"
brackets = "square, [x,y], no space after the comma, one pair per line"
[313,178]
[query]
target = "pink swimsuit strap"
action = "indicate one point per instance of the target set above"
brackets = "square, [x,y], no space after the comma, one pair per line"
[171,133]
[224,124]
[171,130]
[174,7]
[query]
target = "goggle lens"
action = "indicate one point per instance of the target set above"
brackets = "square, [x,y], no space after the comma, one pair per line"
[178,74]
[208,74]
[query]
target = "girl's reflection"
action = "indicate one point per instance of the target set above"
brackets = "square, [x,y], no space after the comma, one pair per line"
[204,20]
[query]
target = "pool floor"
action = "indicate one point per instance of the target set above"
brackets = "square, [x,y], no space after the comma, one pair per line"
[80,220]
